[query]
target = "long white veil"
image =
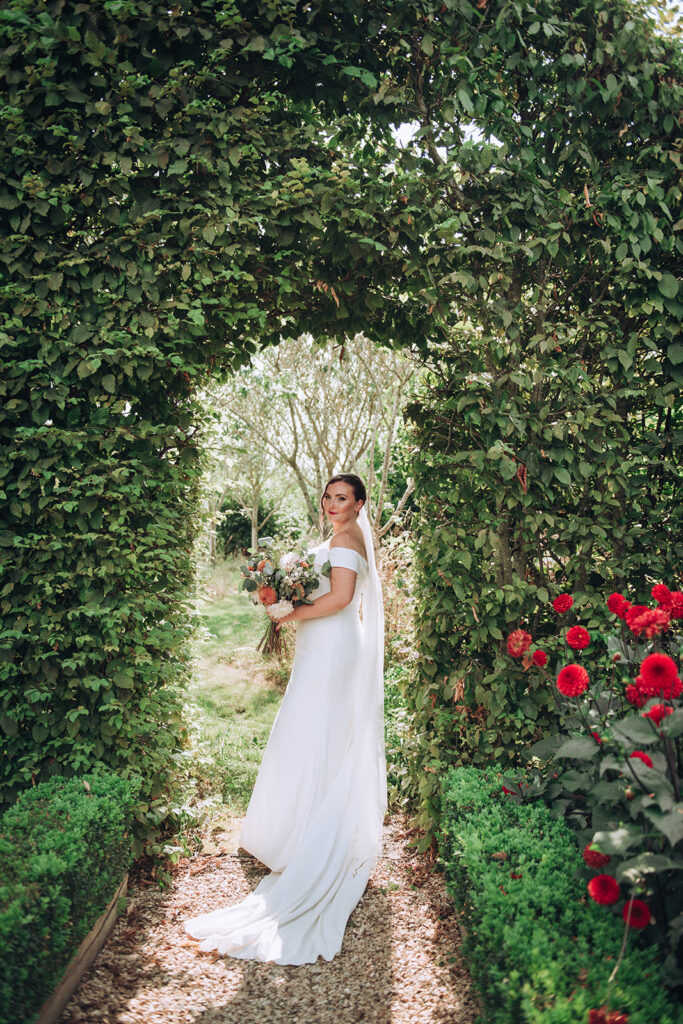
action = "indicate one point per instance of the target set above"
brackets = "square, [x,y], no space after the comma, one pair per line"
[370,716]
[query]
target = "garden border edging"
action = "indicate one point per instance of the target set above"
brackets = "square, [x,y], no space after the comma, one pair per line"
[91,945]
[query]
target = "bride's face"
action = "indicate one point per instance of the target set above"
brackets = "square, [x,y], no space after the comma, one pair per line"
[340,505]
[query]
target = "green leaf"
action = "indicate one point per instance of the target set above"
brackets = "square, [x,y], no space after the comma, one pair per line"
[109,382]
[580,747]
[465,100]
[177,167]
[672,725]
[634,729]
[668,286]
[427,45]
[669,824]
[617,841]
[645,864]
[675,352]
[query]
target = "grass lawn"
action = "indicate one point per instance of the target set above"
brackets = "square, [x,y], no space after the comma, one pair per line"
[234,696]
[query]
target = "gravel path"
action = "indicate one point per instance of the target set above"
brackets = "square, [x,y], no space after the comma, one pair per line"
[399,963]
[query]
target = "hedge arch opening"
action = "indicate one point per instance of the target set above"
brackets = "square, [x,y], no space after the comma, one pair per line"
[183,184]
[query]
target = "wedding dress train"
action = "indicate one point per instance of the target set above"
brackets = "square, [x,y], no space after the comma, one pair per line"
[315,815]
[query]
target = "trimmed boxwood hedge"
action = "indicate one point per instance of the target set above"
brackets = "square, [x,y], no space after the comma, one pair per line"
[539,951]
[64,847]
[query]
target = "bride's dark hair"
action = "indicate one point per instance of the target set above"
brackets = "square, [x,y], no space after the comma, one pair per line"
[355,482]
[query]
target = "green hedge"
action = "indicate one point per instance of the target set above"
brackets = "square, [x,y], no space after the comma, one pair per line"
[64,848]
[540,952]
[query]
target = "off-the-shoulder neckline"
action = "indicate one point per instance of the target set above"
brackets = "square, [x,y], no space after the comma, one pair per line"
[345,548]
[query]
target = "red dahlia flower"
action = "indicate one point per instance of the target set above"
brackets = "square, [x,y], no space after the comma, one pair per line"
[519,642]
[563,603]
[635,696]
[636,913]
[657,712]
[572,680]
[649,621]
[677,604]
[539,658]
[578,638]
[595,859]
[642,756]
[618,604]
[604,890]
[658,676]
[633,612]
[661,594]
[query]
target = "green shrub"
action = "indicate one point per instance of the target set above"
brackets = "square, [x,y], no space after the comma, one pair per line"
[64,847]
[614,770]
[538,950]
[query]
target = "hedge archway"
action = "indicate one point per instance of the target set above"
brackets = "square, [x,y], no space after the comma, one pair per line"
[181,184]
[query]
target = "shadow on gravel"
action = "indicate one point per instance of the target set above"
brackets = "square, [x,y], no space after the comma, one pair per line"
[355,986]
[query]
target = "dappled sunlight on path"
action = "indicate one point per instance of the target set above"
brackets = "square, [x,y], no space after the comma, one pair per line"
[399,963]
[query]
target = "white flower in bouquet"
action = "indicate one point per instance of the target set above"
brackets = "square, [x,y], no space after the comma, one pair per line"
[279,610]
[288,561]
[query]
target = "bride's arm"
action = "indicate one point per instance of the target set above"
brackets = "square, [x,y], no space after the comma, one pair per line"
[342,587]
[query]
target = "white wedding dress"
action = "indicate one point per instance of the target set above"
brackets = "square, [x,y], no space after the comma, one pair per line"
[315,815]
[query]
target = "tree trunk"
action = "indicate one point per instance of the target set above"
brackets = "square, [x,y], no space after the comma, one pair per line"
[254,528]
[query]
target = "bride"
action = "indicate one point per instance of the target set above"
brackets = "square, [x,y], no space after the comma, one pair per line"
[315,816]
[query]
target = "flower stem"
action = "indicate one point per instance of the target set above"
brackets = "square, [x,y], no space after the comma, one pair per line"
[620,958]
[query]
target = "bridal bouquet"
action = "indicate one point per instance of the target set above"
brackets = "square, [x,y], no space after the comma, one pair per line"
[279,582]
